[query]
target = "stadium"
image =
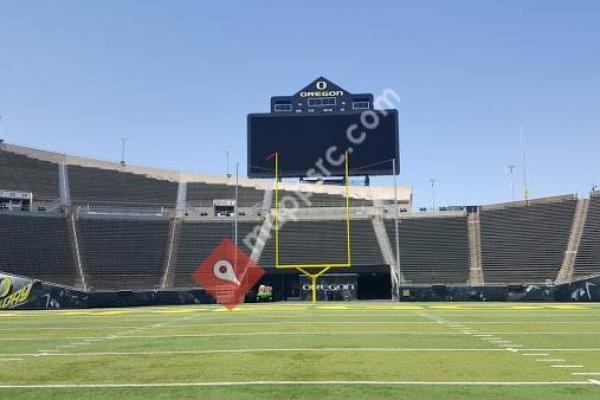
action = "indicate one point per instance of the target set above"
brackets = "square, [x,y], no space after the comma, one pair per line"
[102,295]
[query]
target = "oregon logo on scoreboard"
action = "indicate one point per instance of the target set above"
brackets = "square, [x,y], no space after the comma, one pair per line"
[320,90]
[321,95]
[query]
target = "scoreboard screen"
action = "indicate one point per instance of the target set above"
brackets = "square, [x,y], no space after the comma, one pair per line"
[309,143]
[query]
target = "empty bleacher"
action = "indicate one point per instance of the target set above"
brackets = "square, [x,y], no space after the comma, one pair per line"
[37,245]
[433,250]
[525,243]
[123,253]
[323,241]
[198,239]
[520,243]
[22,173]
[587,261]
[306,199]
[109,187]
[200,194]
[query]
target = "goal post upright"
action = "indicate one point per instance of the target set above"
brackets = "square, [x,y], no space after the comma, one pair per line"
[321,267]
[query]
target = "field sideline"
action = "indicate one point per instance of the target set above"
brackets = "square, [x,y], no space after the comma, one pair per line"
[300,351]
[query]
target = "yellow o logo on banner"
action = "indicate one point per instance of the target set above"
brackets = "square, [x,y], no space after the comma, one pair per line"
[5,286]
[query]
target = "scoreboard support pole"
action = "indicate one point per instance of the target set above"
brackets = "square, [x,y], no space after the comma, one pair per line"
[324,267]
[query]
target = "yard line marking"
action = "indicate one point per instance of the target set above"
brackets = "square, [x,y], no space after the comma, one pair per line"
[349,349]
[10,359]
[221,334]
[585,373]
[567,366]
[289,320]
[307,383]
[567,349]
[258,350]
[483,335]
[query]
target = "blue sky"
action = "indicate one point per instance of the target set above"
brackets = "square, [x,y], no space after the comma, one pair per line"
[177,78]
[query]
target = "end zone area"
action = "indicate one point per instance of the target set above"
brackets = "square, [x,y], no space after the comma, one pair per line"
[301,351]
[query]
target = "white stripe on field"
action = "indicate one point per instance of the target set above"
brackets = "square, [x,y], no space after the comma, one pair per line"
[257,350]
[585,373]
[276,383]
[265,350]
[339,333]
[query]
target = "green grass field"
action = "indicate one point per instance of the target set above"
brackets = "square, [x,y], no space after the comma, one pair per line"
[295,351]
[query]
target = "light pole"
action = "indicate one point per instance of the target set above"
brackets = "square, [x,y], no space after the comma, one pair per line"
[397,272]
[236,209]
[525,188]
[511,168]
[432,182]
[122,152]
[227,163]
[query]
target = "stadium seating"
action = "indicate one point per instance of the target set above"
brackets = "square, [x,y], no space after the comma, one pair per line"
[432,250]
[521,243]
[319,200]
[123,253]
[26,174]
[323,241]
[37,245]
[200,194]
[588,256]
[108,187]
[198,239]
[525,244]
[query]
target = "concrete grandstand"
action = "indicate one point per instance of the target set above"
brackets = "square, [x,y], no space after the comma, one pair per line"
[100,225]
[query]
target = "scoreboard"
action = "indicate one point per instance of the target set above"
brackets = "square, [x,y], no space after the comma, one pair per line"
[312,130]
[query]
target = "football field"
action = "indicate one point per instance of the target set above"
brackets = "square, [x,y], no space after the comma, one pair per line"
[363,350]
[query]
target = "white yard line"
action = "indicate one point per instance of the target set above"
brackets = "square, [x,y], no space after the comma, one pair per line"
[390,333]
[306,383]
[585,373]
[258,350]
[296,349]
